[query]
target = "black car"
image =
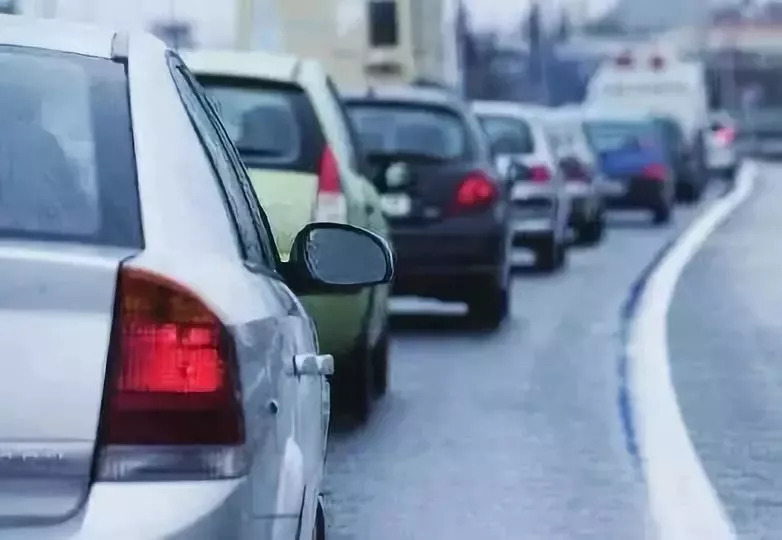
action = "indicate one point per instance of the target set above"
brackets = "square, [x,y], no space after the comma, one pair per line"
[445,202]
[687,161]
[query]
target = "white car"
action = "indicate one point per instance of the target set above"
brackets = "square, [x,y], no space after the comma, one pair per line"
[540,202]
[721,153]
[158,377]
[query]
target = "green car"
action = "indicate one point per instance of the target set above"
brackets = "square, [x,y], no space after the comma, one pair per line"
[300,150]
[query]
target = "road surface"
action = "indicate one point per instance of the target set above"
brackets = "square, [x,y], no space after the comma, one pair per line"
[509,435]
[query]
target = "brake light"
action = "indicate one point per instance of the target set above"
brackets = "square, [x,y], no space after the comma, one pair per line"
[172,384]
[475,192]
[577,172]
[624,60]
[331,204]
[725,136]
[540,173]
[655,171]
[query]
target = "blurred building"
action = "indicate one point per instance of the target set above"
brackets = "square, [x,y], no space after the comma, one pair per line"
[371,41]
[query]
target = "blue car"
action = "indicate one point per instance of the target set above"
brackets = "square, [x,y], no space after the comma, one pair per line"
[636,167]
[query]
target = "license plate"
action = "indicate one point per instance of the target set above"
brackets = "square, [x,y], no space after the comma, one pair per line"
[614,187]
[523,191]
[396,204]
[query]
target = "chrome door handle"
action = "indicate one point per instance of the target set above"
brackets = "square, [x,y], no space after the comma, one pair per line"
[312,365]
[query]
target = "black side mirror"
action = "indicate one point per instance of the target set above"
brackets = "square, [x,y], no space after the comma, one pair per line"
[336,258]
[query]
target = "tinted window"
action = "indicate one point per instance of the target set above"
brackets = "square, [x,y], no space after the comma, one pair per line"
[616,135]
[273,125]
[508,135]
[410,129]
[67,170]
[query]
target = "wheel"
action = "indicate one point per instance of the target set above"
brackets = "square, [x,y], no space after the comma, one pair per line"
[489,309]
[551,255]
[360,390]
[662,214]
[591,233]
[380,365]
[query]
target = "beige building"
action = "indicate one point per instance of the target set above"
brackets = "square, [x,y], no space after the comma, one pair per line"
[362,41]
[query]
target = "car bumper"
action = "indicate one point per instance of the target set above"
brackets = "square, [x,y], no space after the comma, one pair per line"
[443,260]
[177,510]
[720,159]
[638,193]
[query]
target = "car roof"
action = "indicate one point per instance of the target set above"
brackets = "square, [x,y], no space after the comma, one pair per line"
[56,35]
[411,94]
[245,64]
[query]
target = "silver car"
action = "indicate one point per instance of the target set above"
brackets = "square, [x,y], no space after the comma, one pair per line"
[540,203]
[158,377]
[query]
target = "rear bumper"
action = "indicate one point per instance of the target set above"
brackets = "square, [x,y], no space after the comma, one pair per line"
[444,260]
[181,510]
[640,193]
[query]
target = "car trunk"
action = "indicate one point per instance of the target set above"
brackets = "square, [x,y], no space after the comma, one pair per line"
[289,199]
[417,189]
[56,311]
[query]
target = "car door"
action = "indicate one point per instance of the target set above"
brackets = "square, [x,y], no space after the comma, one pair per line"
[290,388]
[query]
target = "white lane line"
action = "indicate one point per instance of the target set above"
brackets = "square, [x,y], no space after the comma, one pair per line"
[683,503]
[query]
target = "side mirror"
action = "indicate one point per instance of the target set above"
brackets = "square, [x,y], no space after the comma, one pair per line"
[331,258]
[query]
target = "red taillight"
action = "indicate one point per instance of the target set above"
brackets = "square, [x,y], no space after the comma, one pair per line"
[330,205]
[540,173]
[328,175]
[172,373]
[725,136]
[577,172]
[655,171]
[475,192]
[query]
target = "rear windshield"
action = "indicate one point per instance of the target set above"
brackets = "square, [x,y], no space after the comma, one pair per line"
[423,130]
[272,124]
[508,135]
[67,169]
[617,135]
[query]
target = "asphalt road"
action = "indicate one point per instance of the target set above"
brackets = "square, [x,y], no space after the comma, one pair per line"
[514,434]
[725,340]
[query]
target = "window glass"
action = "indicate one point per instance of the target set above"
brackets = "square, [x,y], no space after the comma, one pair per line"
[508,135]
[67,170]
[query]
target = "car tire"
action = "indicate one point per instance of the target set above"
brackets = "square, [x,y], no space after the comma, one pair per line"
[380,366]
[551,255]
[360,390]
[662,214]
[592,233]
[488,309]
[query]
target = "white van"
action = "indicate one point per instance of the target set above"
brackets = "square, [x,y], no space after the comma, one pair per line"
[660,84]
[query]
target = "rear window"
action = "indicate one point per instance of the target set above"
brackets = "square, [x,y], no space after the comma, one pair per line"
[428,131]
[272,124]
[508,135]
[67,169]
[616,135]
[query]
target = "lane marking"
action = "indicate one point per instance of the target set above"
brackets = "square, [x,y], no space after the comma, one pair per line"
[683,503]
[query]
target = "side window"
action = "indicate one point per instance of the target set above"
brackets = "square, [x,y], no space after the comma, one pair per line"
[246,226]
